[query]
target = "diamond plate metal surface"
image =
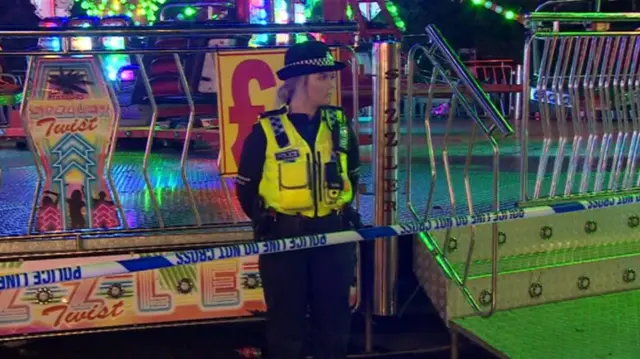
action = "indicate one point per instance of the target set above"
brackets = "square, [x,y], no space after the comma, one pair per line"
[19,182]
[597,327]
[550,268]
[431,278]
[551,284]
[525,244]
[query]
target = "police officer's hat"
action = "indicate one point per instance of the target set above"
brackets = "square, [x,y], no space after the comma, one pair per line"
[307,58]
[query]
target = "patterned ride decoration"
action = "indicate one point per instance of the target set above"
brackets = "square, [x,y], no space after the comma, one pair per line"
[70,116]
[210,291]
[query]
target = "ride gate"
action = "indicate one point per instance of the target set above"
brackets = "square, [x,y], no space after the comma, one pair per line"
[535,231]
[528,286]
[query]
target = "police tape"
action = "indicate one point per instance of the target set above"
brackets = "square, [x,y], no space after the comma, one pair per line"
[195,256]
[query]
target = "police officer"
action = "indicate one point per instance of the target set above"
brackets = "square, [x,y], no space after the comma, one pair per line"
[297,173]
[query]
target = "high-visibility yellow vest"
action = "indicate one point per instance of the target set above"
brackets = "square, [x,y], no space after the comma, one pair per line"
[294,179]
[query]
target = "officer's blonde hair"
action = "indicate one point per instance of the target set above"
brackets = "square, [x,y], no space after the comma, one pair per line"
[287,90]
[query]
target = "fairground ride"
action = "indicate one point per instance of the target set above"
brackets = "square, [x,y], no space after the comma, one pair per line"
[527,228]
[375,18]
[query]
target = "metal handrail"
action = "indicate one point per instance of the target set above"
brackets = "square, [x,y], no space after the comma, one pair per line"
[187,141]
[602,63]
[543,35]
[471,83]
[198,29]
[581,17]
[434,248]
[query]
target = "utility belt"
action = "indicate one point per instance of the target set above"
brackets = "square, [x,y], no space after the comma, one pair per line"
[272,224]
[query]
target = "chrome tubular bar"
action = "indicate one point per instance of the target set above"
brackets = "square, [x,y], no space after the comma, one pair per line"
[633,81]
[150,138]
[579,18]
[477,93]
[187,141]
[201,30]
[442,60]
[409,139]
[591,78]
[111,151]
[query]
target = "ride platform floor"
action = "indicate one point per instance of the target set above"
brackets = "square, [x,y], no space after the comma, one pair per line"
[573,319]
[597,327]
[18,183]
[19,178]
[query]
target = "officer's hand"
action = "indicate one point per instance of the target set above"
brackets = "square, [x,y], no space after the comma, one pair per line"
[260,219]
[351,218]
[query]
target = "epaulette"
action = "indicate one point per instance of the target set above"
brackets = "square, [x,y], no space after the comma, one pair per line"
[281,111]
[330,107]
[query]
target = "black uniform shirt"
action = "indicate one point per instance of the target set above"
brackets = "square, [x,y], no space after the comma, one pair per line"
[253,158]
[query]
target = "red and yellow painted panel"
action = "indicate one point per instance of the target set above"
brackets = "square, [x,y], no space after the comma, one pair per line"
[206,291]
[247,85]
[70,116]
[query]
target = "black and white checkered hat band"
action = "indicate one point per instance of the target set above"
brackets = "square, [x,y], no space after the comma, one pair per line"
[320,61]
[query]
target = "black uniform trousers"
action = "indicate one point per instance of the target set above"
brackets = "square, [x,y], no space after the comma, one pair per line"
[316,279]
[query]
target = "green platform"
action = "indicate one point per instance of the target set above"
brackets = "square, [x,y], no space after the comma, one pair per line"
[604,326]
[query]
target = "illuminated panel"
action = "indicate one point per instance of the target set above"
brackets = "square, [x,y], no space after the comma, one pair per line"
[281,17]
[127,75]
[82,43]
[113,63]
[51,43]
[299,14]
[258,15]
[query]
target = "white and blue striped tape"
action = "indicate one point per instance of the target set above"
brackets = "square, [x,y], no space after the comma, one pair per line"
[56,275]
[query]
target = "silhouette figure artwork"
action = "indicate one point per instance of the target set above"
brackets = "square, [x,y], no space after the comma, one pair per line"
[77,210]
[49,218]
[71,118]
[104,213]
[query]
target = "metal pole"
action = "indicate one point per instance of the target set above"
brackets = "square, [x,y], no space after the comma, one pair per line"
[175,30]
[386,131]
[517,115]
[598,6]
[580,17]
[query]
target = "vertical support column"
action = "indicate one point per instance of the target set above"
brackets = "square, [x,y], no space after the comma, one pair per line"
[386,131]
[336,11]
[271,5]
[518,117]
[243,11]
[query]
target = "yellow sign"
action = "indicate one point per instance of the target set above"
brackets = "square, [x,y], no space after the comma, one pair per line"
[247,85]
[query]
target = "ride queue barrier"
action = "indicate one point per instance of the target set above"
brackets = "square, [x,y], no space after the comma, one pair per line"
[171,259]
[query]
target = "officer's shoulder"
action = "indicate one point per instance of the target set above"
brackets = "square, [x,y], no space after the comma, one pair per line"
[338,110]
[277,112]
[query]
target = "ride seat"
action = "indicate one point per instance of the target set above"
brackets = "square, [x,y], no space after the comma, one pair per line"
[164,76]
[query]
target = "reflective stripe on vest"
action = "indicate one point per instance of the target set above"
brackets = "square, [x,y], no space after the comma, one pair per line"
[339,130]
[278,131]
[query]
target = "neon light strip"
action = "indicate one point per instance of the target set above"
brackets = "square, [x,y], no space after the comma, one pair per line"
[508,14]
[57,275]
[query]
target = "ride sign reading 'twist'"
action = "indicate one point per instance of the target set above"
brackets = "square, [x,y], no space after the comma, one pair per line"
[70,117]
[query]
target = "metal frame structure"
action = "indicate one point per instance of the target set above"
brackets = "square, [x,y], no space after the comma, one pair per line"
[46,245]
[611,71]
[582,66]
